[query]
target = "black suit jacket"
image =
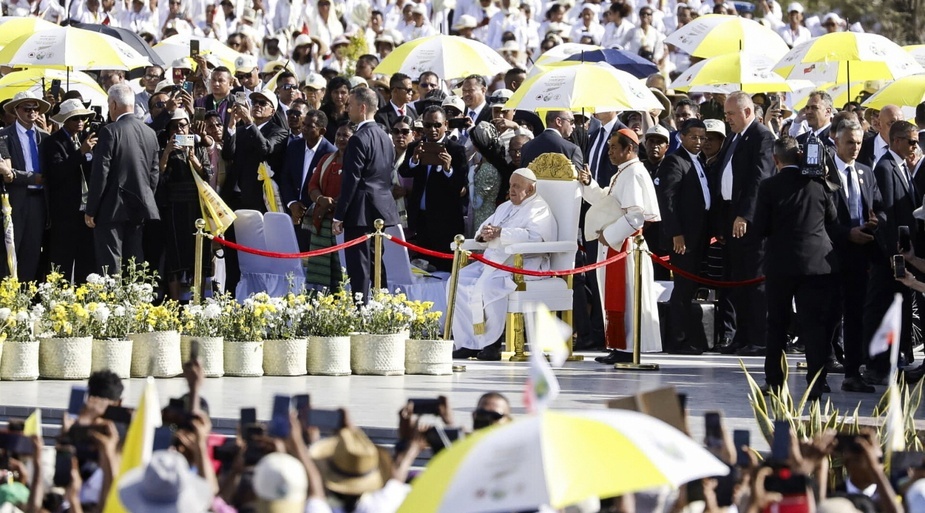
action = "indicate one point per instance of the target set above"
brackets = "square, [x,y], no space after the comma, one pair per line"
[823,137]
[792,212]
[752,163]
[680,200]
[125,173]
[550,142]
[246,149]
[66,169]
[387,115]
[899,201]
[366,187]
[605,169]
[289,178]
[866,155]
[442,199]
[855,256]
[13,148]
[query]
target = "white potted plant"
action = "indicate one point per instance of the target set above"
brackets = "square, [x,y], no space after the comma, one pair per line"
[244,333]
[110,322]
[156,340]
[19,349]
[425,350]
[379,348]
[66,342]
[285,349]
[329,320]
[204,323]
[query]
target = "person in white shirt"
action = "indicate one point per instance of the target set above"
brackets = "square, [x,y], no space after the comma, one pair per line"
[647,36]
[589,24]
[619,27]
[324,23]
[508,19]
[422,26]
[794,32]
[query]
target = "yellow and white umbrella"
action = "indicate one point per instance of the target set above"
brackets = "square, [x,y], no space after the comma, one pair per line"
[12,27]
[177,47]
[449,57]
[558,459]
[561,52]
[589,86]
[917,52]
[38,80]
[903,92]
[846,57]
[742,71]
[69,47]
[718,34]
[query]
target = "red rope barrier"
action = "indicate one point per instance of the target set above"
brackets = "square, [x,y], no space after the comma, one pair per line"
[567,272]
[703,281]
[418,249]
[307,254]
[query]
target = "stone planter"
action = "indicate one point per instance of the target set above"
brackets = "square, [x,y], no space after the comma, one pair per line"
[432,357]
[211,354]
[243,358]
[112,354]
[380,355]
[329,356]
[285,357]
[65,357]
[156,353]
[20,360]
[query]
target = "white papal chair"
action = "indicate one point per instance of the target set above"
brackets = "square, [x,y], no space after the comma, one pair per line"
[557,184]
[269,232]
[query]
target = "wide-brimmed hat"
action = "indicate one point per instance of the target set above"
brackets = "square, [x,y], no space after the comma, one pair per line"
[69,109]
[166,485]
[466,21]
[351,464]
[666,103]
[26,96]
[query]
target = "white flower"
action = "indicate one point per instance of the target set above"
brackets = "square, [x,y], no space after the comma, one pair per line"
[5,313]
[212,311]
[94,279]
[119,311]
[101,313]
[22,316]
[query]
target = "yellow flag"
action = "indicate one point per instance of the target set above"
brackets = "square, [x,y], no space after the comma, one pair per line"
[216,213]
[33,425]
[139,440]
[270,189]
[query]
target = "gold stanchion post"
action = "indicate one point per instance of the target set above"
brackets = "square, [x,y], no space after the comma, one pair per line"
[198,279]
[454,284]
[568,318]
[516,320]
[637,312]
[379,224]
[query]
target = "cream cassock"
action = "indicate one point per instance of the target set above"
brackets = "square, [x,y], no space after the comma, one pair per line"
[619,210]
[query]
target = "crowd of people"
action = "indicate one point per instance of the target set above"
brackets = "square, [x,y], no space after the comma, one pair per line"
[311,460]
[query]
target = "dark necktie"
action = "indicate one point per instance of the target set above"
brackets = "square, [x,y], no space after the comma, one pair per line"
[908,177]
[596,152]
[34,152]
[472,116]
[854,203]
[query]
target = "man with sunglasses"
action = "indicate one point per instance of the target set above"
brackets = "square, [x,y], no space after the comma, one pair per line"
[900,199]
[400,103]
[559,126]
[24,180]
[248,74]
[153,75]
[287,90]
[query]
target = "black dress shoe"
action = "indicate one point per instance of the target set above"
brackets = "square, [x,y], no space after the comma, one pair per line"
[873,377]
[491,353]
[464,353]
[729,349]
[686,350]
[721,344]
[751,351]
[856,384]
[615,357]
[834,367]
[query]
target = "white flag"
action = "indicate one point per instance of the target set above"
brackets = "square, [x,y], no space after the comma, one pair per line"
[547,334]
[887,335]
[541,387]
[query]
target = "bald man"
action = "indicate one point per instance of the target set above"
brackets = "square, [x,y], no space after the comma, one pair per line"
[874,147]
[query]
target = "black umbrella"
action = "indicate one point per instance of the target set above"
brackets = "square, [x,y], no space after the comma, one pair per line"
[126,36]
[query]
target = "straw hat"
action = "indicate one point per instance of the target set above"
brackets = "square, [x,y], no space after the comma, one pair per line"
[26,96]
[69,109]
[351,464]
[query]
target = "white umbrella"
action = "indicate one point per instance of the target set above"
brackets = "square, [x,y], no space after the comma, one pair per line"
[178,47]
[561,52]
[558,459]
[718,34]
[73,48]
[448,56]
[589,86]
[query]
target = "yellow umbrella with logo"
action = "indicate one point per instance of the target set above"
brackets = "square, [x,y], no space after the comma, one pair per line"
[718,34]
[12,27]
[904,92]
[448,56]
[741,71]
[72,48]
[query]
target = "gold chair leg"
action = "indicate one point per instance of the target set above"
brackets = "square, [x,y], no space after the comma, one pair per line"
[517,324]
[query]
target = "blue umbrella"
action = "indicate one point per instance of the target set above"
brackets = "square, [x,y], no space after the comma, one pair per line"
[620,59]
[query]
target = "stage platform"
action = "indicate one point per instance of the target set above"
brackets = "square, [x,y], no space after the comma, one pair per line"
[711,382]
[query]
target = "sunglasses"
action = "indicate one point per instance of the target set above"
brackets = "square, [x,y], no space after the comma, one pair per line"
[260,103]
[433,125]
[160,105]
[287,87]
[182,125]
[29,109]
[488,415]
[909,140]
[401,131]
[242,76]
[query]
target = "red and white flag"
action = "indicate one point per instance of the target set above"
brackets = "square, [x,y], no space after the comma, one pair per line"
[887,335]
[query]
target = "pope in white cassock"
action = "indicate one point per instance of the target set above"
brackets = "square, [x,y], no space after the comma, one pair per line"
[478,322]
[617,212]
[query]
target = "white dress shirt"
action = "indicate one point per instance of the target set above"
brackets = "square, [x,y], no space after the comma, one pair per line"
[306,168]
[704,185]
[24,145]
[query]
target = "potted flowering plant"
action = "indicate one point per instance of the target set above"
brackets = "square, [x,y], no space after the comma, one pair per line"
[19,350]
[156,340]
[329,320]
[66,341]
[244,334]
[384,322]
[205,323]
[285,348]
[110,322]
[425,350]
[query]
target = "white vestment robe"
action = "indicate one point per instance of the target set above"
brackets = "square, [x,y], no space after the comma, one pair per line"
[481,289]
[634,194]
